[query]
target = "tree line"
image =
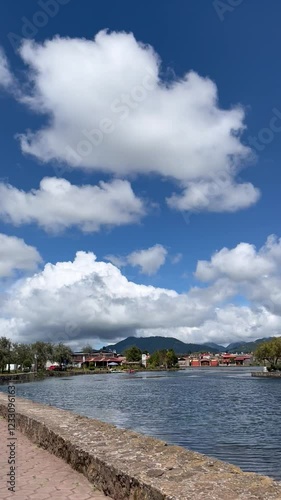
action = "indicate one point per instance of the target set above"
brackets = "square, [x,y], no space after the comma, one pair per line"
[164,358]
[26,355]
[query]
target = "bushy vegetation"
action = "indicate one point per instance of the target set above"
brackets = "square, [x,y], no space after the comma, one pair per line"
[270,352]
[133,354]
[26,355]
[163,359]
[5,352]
[87,348]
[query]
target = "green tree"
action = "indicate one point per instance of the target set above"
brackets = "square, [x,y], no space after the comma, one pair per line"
[87,348]
[154,361]
[5,353]
[62,353]
[171,359]
[22,355]
[44,352]
[133,354]
[269,351]
[163,359]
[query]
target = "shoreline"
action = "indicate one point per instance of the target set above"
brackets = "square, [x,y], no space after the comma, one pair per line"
[39,376]
[27,377]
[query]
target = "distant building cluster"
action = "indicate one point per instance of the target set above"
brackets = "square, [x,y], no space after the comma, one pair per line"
[221,359]
[105,358]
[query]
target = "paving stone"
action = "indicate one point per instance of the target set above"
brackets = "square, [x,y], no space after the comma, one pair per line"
[40,475]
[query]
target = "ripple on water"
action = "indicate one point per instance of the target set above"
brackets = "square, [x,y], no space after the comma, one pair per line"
[223,413]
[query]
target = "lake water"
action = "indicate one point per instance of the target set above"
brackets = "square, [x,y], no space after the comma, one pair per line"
[224,412]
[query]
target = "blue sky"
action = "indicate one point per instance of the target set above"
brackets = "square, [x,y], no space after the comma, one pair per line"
[235,48]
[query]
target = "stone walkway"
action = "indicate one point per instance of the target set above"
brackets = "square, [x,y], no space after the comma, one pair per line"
[40,475]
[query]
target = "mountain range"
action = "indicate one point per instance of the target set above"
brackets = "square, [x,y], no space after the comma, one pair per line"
[152,344]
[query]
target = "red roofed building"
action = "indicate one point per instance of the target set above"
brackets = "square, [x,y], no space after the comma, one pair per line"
[103,361]
[228,359]
[243,359]
[102,357]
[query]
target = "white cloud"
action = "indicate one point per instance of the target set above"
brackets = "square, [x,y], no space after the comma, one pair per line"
[149,260]
[57,204]
[176,258]
[233,323]
[87,299]
[227,324]
[109,110]
[242,263]
[16,255]
[6,78]
[215,196]
[256,274]
[116,260]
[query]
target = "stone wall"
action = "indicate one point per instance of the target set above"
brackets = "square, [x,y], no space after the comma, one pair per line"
[32,377]
[266,374]
[127,465]
[19,377]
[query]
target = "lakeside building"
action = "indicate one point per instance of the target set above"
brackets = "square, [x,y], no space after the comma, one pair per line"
[144,359]
[101,357]
[105,361]
[12,367]
[204,359]
[214,360]
[236,359]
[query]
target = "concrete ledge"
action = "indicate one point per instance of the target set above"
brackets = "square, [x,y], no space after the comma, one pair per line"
[37,376]
[20,377]
[127,465]
[266,374]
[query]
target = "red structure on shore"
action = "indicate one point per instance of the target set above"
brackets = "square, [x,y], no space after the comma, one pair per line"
[213,360]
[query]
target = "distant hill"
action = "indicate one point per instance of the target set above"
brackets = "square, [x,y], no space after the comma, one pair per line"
[246,346]
[217,347]
[152,344]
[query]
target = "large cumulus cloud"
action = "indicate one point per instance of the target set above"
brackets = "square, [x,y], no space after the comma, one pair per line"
[89,299]
[109,108]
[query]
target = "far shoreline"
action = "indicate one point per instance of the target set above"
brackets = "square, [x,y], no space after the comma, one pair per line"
[26,377]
